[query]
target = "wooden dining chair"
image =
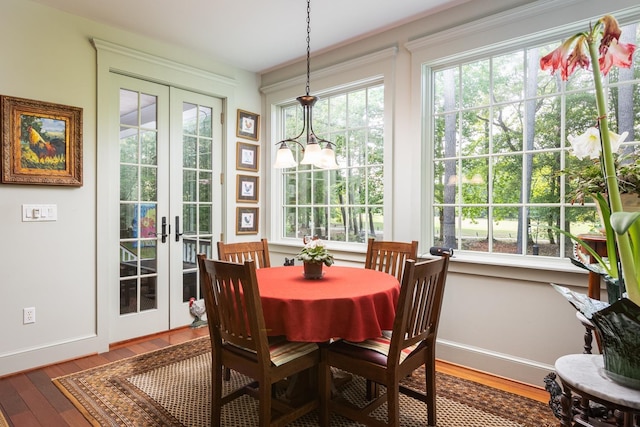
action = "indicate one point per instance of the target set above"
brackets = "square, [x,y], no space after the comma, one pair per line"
[239,341]
[242,251]
[387,360]
[389,256]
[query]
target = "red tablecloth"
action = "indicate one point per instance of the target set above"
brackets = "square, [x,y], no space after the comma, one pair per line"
[348,302]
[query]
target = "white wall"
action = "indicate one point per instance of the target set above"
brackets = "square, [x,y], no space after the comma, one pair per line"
[503,319]
[47,55]
[499,315]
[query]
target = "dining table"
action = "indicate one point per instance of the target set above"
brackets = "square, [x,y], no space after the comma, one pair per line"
[351,303]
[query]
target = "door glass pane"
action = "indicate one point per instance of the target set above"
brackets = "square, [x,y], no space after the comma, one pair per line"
[196,193]
[189,186]
[149,147]
[138,202]
[189,159]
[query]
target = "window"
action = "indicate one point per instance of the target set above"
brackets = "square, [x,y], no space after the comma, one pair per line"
[345,204]
[499,128]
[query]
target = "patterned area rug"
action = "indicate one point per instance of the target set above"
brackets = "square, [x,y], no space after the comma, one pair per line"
[171,387]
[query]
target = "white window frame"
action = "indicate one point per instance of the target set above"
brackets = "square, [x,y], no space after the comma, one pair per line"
[529,25]
[376,67]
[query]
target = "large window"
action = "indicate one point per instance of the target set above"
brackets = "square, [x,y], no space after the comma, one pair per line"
[499,128]
[345,204]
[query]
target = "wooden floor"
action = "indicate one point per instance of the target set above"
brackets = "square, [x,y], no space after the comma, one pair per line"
[30,398]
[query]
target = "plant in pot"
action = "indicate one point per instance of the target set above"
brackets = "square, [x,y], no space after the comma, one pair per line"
[314,255]
[617,324]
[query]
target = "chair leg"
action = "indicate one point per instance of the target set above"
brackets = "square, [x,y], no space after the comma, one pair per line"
[373,390]
[430,387]
[324,389]
[393,404]
[227,374]
[264,405]
[216,395]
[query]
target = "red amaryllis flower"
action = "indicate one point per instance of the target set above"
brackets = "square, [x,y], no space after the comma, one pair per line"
[616,54]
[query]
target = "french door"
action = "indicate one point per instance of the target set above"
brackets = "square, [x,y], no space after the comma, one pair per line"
[169,204]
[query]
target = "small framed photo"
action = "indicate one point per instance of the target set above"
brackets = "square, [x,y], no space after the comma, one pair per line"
[247,188]
[247,220]
[247,156]
[248,125]
[41,142]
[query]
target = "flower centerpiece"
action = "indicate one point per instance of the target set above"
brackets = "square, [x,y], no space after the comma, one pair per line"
[599,48]
[314,255]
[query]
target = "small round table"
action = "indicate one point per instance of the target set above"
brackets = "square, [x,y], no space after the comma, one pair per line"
[348,302]
[584,374]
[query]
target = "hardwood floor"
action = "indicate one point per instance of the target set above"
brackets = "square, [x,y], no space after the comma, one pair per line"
[30,399]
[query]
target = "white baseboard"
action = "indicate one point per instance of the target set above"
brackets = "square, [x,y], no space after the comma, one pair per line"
[502,365]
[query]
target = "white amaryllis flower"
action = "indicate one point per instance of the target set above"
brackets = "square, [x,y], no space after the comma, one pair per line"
[588,144]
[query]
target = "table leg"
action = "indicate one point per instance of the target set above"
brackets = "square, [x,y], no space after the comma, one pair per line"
[567,411]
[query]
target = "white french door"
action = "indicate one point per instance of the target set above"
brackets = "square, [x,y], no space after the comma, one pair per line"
[169,161]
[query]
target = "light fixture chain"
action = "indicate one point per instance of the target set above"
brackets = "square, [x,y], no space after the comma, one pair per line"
[308,43]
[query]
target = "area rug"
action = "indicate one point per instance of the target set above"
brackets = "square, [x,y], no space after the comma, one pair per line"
[171,387]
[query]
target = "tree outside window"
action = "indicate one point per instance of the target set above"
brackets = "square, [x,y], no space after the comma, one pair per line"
[499,135]
[345,204]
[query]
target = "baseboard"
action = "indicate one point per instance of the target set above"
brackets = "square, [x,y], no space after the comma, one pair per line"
[521,370]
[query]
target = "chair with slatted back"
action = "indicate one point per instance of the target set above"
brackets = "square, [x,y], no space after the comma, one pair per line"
[389,256]
[242,251]
[239,341]
[386,360]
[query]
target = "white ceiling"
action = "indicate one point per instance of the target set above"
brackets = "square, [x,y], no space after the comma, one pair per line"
[254,35]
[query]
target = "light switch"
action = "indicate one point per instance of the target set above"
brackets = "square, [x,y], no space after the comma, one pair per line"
[39,213]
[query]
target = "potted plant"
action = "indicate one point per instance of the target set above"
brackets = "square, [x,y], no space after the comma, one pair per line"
[314,255]
[599,49]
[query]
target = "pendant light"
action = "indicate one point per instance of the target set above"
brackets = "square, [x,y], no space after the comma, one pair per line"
[317,151]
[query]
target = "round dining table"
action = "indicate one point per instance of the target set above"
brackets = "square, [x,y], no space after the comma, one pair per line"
[347,302]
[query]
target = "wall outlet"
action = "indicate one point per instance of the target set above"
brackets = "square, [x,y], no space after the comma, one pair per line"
[29,315]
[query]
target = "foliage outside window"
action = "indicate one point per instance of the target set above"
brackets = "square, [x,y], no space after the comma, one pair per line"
[500,150]
[345,204]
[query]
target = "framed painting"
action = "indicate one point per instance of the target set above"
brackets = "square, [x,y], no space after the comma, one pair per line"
[41,142]
[247,220]
[247,188]
[247,156]
[248,125]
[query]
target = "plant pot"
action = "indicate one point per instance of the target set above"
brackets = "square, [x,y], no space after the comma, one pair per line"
[618,327]
[313,270]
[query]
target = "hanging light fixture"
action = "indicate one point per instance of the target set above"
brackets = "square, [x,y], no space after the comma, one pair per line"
[317,151]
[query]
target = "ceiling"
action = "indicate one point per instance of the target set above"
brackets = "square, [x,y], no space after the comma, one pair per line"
[253,35]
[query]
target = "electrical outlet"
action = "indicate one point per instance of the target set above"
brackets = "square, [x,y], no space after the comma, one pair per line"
[29,315]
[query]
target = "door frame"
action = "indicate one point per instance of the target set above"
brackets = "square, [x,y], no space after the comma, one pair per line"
[113,58]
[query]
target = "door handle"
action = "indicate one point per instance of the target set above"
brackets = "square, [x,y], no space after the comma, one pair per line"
[178,233]
[164,229]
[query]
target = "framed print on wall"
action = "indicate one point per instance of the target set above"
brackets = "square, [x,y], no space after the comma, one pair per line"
[41,142]
[247,220]
[247,156]
[248,125]
[247,188]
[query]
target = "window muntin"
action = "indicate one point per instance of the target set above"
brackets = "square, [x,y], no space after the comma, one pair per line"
[345,204]
[499,143]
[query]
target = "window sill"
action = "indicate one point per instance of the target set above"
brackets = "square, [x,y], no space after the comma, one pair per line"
[516,267]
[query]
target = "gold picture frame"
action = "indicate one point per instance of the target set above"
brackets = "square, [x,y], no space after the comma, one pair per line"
[247,220]
[247,188]
[247,156]
[41,142]
[248,125]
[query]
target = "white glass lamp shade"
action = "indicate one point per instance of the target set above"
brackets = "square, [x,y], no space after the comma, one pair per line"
[311,154]
[327,158]
[284,158]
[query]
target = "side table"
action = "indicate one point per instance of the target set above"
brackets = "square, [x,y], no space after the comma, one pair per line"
[584,374]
